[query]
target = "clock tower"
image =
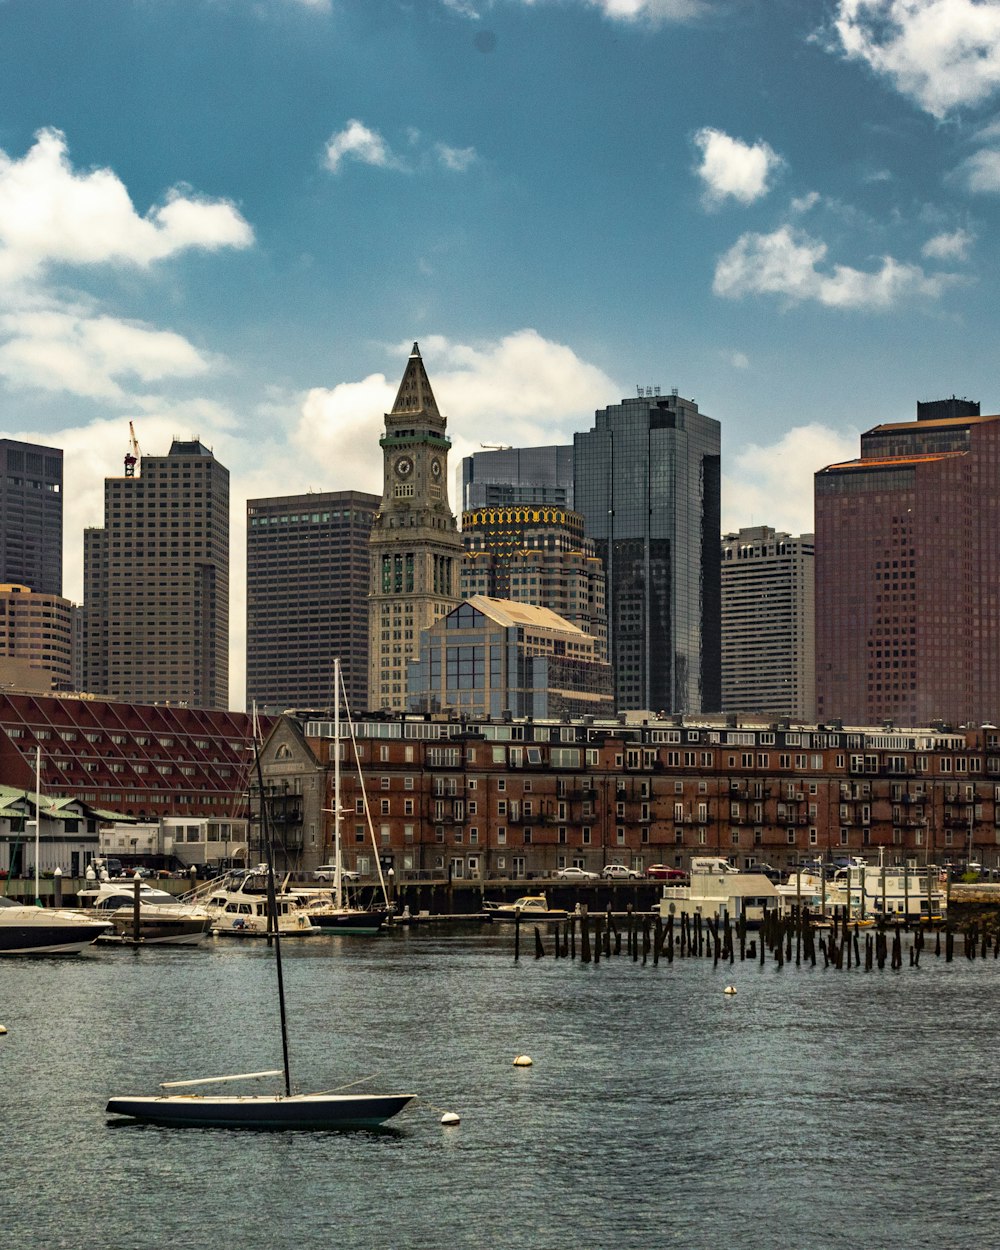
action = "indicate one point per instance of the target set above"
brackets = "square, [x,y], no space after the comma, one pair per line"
[416,549]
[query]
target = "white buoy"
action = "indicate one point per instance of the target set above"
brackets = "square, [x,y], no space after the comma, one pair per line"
[450,1117]
[523,1061]
[730,989]
[3,1030]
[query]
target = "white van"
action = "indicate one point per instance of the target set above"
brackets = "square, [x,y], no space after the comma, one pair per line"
[711,863]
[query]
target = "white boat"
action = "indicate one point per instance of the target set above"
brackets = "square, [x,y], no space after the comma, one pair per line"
[164,920]
[897,892]
[287,1110]
[237,905]
[718,895]
[32,930]
[528,907]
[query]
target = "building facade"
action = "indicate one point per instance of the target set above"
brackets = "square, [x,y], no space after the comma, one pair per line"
[308,573]
[907,570]
[155,620]
[518,475]
[536,554]
[36,631]
[136,760]
[647,481]
[768,623]
[496,658]
[457,797]
[31,515]
[416,549]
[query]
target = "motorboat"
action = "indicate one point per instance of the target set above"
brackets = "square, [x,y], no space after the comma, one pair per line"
[738,896]
[33,930]
[333,1109]
[237,905]
[528,907]
[163,919]
[893,892]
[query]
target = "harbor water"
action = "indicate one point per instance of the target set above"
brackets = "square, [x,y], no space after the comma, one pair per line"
[813,1108]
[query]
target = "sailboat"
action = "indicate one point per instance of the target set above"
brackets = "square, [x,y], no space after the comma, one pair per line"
[331,1109]
[337,915]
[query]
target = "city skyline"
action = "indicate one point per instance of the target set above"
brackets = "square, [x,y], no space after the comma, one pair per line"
[216,221]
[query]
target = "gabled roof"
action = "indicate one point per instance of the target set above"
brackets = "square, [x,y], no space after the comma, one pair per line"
[511,612]
[415,394]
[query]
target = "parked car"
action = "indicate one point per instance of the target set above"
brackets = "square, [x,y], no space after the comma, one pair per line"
[664,872]
[327,872]
[576,874]
[618,872]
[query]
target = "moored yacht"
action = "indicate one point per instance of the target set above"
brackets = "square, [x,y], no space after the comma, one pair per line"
[163,919]
[27,930]
[237,905]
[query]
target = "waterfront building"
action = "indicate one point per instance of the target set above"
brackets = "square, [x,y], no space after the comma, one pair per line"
[907,569]
[155,621]
[462,797]
[768,623]
[139,761]
[536,554]
[495,658]
[31,515]
[36,639]
[308,571]
[518,475]
[647,483]
[416,549]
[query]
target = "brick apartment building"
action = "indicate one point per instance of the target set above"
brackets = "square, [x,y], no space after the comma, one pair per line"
[519,799]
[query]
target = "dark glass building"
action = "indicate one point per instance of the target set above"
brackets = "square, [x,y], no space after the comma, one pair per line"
[907,570]
[646,479]
[31,512]
[308,559]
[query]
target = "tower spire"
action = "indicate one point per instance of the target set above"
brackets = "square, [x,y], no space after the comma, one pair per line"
[415,394]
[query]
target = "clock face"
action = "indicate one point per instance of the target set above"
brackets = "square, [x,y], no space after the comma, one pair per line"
[435,468]
[404,466]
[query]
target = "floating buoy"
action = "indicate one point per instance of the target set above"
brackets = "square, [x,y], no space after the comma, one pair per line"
[730,989]
[3,1030]
[523,1061]
[450,1117]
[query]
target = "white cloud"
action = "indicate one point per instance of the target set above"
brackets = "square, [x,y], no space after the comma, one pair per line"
[51,214]
[359,143]
[942,54]
[773,485]
[981,172]
[733,169]
[787,263]
[457,159]
[805,203]
[649,10]
[739,360]
[953,246]
[61,349]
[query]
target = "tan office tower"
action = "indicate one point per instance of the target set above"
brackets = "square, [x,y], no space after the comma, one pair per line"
[416,549]
[155,620]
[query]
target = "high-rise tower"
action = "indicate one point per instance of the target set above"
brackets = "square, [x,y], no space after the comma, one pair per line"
[416,549]
[647,480]
[156,584]
[31,515]
[907,569]
[307,598]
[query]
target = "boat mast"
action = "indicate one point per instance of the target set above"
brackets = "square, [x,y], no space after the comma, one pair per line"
[272,907]
[38,819]
[338,890]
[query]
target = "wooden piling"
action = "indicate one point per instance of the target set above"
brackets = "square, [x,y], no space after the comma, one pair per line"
[539,948]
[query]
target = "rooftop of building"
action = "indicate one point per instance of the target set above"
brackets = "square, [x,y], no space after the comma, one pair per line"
[511,613]
[890,462]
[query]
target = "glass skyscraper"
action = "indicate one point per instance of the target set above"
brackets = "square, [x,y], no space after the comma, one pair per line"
[31,515]
[646,479]
[512,475]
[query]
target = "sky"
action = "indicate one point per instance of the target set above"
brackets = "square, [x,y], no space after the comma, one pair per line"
[230,220]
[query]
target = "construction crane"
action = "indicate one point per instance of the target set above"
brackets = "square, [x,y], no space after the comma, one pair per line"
[133,453]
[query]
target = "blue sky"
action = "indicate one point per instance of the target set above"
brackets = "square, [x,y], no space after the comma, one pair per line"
[231,218]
